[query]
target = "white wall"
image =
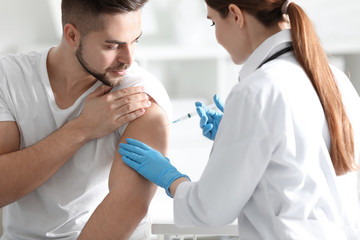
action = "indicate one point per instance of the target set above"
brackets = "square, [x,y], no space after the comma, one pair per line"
[35,24]
[27,24]
[184,21]
[337,23]
[352,63]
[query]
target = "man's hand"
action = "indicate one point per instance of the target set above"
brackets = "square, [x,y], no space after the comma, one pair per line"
[106,111]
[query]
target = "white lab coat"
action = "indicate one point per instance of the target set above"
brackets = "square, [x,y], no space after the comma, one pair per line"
[270,166]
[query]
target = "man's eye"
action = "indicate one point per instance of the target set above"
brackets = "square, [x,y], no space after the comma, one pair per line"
[113,47]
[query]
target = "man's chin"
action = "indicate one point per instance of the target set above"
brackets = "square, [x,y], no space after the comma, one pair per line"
[110,80]
[113,82]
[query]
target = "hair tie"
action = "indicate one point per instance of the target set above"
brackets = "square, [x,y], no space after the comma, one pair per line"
[285,6]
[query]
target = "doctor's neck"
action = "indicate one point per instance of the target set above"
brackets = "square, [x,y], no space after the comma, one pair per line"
[258,32]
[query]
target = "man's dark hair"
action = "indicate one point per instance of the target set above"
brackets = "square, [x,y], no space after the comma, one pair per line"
[85,15]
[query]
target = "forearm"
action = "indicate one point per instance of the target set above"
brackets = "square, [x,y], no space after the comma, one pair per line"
[116,217]
[123,208]
[23,171]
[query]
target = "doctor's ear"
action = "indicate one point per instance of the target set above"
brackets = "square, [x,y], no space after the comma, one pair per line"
[237,15]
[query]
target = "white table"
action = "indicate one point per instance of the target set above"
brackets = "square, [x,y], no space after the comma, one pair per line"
[163,227]
[167,231]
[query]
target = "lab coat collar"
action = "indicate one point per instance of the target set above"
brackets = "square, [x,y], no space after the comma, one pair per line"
[269,47]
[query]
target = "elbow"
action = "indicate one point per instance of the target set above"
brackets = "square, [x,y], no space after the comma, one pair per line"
[219,216]
[216,219]
[191,210]
[139,207]
[220,220]
[142,210]
[202,219]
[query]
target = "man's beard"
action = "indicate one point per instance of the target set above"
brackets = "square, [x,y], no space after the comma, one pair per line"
[100,76]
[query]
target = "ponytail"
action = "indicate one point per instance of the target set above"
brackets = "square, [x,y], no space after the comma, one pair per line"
[313,59]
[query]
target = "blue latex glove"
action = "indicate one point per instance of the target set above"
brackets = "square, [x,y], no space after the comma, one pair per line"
[210,119]
[149,163]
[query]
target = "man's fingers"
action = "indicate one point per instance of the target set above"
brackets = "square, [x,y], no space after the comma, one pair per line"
[121,93]
[100,91]
[131,111]
[139,97]
[132,107]
[124,119]
[129,103]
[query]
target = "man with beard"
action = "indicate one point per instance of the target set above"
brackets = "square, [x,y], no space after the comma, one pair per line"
[63,112]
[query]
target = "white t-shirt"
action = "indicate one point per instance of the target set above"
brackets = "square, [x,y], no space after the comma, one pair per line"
[61,206]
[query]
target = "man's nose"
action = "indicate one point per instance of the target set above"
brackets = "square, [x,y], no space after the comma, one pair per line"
[126,54]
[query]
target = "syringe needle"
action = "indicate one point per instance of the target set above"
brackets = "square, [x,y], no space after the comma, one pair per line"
[189,115]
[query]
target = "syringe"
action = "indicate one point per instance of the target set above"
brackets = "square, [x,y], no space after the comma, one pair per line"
[189,115]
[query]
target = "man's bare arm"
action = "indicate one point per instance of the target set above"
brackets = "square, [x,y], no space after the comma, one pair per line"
[22,171]
[130,194]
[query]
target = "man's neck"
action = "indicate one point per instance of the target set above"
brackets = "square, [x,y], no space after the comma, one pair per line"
[67,78]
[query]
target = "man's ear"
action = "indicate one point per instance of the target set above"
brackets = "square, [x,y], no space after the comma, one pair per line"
[237,15]
[71,35]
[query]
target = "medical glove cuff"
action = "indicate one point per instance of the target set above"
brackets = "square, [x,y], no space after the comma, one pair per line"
[174,177]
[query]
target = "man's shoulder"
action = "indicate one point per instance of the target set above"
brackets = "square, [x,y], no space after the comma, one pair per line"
[20,57]
[138,76]
[19,63]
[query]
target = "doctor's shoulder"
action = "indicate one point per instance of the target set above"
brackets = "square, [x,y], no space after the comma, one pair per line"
[343,81]
[270,78]
[350,96]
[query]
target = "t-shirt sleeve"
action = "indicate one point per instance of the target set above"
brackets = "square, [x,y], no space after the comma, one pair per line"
[5,113]
[153,87]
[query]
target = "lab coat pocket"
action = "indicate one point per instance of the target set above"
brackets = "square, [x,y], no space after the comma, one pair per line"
[290,228]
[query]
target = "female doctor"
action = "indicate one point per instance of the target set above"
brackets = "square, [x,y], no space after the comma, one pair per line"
[286,146]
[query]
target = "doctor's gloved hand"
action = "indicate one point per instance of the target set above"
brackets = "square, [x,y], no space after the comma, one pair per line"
[210,119]
[149,163]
